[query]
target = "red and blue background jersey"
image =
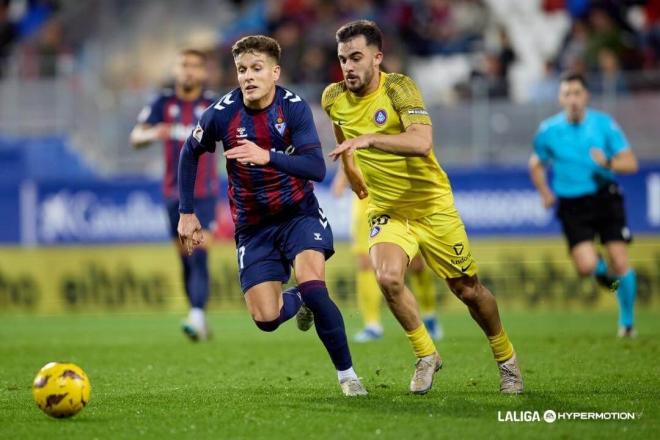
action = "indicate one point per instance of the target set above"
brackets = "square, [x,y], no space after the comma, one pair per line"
[259,193]
[182,115]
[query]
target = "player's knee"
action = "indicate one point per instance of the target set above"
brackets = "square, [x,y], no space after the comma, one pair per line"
[264,315]
[585,268]
[619,265]
[267,326]
[390,282]
[585,263]
[467,289]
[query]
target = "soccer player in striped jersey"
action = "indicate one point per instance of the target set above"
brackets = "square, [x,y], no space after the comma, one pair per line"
[273,152]
[170,118]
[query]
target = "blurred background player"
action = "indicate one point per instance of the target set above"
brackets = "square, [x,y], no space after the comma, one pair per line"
[368,293]
[585,149]
[380,120]
[170,118]
[273,151]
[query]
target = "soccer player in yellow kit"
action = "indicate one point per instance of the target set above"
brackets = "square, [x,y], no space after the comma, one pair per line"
[368,293]
[380,121]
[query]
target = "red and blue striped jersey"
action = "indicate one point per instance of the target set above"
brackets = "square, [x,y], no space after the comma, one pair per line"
[182,116]
[258,194]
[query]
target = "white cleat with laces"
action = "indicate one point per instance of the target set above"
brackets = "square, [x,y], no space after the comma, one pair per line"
[511,381]
[425,369]
[352,387]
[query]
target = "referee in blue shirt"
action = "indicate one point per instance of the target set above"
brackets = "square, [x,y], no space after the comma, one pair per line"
[585,149]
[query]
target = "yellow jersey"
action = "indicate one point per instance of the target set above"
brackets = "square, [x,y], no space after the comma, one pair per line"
[412,187]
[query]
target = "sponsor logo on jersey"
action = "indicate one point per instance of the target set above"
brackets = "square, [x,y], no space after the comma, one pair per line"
[380,117]
[418,111]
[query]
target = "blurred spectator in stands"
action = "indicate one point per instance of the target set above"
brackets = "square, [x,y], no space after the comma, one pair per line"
[546,89]
[605,34]
[487,79]
[609,79]
[46,55]
[444,27]
[575,45]
[651,34]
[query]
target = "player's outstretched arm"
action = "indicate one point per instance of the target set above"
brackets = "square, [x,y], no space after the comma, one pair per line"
[144,135]
[539,179]
[416,141]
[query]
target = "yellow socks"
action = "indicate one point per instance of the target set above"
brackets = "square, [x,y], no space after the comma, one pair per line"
[501,346]
[368,297]
[421,341]
[423,286]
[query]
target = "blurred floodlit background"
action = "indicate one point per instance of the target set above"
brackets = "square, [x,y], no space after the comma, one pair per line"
[83,226]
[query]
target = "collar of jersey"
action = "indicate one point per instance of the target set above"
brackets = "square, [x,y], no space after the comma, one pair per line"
[265,109]
[587,115]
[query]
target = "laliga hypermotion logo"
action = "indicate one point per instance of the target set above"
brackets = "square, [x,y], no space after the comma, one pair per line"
[551,416]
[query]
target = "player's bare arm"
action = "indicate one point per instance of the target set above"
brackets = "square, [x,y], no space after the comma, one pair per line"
[417,140]
[144,135]
[339,183]
[538,176]
[623,163]
[248,152]
[351,173]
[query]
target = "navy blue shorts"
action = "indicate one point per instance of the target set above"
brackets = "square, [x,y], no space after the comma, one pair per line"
[204,210]
[266,253]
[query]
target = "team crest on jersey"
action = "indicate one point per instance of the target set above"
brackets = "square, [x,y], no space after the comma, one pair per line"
[380,117]
[241,132]
[173,111]
[280,125]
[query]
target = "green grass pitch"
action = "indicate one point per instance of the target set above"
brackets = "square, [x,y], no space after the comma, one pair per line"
[149,382]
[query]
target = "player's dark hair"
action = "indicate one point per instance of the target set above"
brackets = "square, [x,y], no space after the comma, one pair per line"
[574,76]
[368,28]
[194,52]
[257,43]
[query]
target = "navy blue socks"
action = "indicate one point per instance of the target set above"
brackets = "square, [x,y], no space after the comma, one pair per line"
[328,321]
[291,303]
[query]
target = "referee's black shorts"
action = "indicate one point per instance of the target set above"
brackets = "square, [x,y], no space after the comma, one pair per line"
[601,213]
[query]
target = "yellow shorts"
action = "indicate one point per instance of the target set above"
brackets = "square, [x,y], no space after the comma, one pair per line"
[439,237]
[360,226]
